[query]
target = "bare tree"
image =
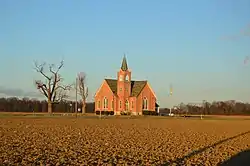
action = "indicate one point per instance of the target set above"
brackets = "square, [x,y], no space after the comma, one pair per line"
[183,108]
[51,87]
[82,90]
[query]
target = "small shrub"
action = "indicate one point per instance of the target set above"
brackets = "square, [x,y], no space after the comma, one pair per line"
[151,113]
[125,113]
[105,112]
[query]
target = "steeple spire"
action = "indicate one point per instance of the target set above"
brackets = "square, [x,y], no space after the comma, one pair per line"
[124,66]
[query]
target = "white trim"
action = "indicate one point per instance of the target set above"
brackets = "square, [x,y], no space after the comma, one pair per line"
[100,87]
[151,90]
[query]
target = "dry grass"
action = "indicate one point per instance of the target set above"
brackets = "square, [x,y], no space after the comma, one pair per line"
[144,141]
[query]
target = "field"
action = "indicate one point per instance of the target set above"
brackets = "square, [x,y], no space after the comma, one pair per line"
[118,141]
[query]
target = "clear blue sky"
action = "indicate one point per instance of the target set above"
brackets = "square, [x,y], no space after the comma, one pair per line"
[197,46]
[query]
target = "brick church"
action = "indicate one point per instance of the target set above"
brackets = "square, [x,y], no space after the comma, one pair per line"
[123,95]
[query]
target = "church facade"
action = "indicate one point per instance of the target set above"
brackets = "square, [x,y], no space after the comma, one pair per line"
[123,95]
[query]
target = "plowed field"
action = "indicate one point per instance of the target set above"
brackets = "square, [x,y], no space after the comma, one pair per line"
[119,141]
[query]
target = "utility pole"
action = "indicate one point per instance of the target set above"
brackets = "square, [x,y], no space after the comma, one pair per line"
[76,98]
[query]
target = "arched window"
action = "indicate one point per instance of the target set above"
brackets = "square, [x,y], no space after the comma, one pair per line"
[145,103]
[105,102]
[120,104]
[121,78]
[127,78]
[126,105]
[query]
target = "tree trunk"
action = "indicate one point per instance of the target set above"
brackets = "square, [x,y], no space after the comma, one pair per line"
[83,107]
[49,107]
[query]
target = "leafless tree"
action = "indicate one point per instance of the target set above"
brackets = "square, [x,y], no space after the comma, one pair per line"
[183,108]
[51,87]
[82,90]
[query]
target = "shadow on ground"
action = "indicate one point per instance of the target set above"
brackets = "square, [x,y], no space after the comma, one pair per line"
[181,161]
[240,159]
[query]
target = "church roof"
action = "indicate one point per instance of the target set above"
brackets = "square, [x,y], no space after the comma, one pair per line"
[136,86]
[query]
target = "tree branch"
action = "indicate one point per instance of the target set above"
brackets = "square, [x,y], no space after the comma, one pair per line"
[42,88]
[40,69]
[58,68]
[61,93]
[52,88]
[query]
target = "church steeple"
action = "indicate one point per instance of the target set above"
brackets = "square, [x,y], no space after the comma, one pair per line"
[124,66]
[123,84]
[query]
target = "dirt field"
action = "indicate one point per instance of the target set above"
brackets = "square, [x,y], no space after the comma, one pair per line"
[119,141]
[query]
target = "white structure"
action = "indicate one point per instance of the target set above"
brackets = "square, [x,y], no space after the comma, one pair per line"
[158,110]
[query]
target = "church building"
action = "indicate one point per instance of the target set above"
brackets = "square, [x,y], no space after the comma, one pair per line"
[123,95]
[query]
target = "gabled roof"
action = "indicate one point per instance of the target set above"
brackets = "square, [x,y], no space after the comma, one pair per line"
[136,86]
[112,85]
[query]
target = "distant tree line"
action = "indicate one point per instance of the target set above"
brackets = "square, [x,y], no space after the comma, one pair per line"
[215,108]
[14,104]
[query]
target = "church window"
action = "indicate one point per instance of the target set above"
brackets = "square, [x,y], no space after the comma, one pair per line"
[127,78]
[127,105]
[105,102]
[145,104]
